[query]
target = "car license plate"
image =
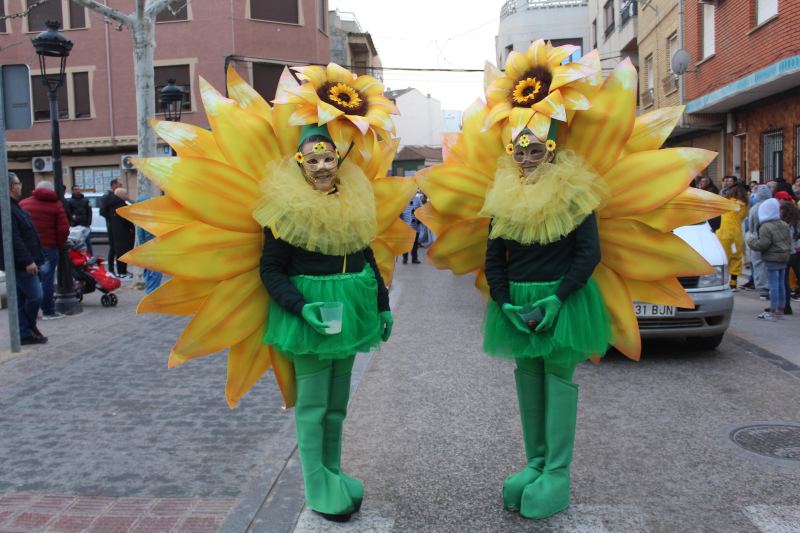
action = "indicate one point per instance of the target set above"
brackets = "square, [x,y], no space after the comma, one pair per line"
[644,309]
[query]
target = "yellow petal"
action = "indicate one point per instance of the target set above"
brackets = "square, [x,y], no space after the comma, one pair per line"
[574,100]
[519,119]
[326,112]
[456,190]
[247,97]
[481,283]
[188,140]
[689,207]
[177,296]
[158,215]
[652,129]
[624,327]
[517,65]
[213,192]
[247,140]
[497,113]
[284,375]
[559,54]
[370,87]
[536,54]
[303,115]
[381,103]
[461,247]
[490,74]
[644,181]
[599,133]
[663,292]
[336,73]
[391,197]
[315,74]
[448,141]
[359,122]
[395,241]
[637,251]
[247,362]
[233,311]
[540,125]
[552,106]
[499,91]
[287,84]
[198,251]
[569,73]
[436,221]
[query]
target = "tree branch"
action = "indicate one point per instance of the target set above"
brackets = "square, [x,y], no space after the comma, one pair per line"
[106,11]
[154,7]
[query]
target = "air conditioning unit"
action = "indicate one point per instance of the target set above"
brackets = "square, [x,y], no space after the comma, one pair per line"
[125,162]
[42,164]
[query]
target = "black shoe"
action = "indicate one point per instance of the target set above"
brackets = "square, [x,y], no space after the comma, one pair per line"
[37,333]
[405,259]
[748,286]
[788,311]
[416,261]
[33,340]
[335,517]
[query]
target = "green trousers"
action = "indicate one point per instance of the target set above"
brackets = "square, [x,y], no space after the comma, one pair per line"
[323,390]
[548,403]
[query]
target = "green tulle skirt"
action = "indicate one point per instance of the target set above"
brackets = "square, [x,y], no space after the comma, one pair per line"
[361,329]
[581,330]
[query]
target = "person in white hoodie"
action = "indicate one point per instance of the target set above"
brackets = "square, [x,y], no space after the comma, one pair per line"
[774,240]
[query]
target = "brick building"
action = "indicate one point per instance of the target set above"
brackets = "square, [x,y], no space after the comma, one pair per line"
[97,104]
[658,40]
[741,90]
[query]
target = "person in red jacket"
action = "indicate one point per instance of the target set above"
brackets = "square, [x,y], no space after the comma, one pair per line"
[50,220]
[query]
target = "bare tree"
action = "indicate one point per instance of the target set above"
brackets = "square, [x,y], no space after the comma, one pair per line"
[142,25]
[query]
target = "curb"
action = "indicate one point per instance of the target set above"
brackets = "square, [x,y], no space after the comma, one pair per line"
[773,358]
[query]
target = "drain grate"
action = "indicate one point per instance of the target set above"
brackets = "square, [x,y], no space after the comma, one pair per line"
[780,441]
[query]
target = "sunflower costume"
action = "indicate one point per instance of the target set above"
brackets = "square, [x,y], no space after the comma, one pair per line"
[575,237]
[254,249]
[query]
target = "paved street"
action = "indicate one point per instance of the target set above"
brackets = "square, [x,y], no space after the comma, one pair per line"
[98,435]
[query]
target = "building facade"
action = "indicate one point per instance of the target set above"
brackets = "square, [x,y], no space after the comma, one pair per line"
[613,31]
[559,21]
[351,46]
[97,105]
[744,82]
[420,120]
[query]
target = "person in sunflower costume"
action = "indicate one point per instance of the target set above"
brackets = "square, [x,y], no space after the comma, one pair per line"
[578,204]
[276,212]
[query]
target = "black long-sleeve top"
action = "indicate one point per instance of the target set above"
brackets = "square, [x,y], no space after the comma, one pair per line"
[574,258]
[281,260]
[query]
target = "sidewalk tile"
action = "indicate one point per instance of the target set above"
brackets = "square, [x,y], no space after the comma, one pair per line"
[112,524]
[200,524]
[31,520]
[70,524]
[5,515]
[15,501]
[51,504]
[89,505]
[171,506]
[130,506]
[155,524]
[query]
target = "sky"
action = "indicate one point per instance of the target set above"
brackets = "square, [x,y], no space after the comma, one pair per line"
[431,34]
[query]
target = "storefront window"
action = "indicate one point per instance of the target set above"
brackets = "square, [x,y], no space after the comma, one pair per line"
[772,155]
[96,179]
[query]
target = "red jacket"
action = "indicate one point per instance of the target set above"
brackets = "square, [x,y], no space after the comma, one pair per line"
[48,216]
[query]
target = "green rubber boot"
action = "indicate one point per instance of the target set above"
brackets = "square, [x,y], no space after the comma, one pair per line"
[530,395]
[325,491]
[334,420]
[549,494]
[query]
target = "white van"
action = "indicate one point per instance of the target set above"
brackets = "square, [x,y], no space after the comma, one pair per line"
[705,325]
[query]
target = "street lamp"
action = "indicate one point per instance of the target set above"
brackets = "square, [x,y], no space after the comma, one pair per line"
[51,46]
[171,100]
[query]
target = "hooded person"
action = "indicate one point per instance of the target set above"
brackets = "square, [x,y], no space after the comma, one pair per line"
[757,267]
[773,239]
[319,217]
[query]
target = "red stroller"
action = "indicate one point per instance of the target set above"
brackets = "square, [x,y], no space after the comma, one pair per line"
[88,272]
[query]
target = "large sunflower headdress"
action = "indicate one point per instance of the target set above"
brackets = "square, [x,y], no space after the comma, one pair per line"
[641,258]
[353,107]
[208,241]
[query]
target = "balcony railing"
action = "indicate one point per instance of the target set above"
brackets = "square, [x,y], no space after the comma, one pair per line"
[627,10]
[646,98]
[511,6]
[669,83]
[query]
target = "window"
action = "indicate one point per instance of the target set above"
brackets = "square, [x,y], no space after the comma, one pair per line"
[171,14]
[96,179]
[708,30]
[608,13]
[796,152]
[2,14]
[509,49]
[672,47]
[275,10]
[81,95]
[772,155]
[765,9]
[54,10]
[41,103]
[576,55]
[648,70]
[182,75]
[265,79]
[594,34]
[322,15]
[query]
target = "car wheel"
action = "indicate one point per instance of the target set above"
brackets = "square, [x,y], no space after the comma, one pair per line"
[705,343]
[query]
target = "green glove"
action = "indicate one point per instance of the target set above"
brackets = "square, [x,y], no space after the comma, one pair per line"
[551,306]
[512,313]
[309,314]
[386,324]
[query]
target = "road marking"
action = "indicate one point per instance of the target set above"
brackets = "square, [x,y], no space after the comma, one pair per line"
[774,518]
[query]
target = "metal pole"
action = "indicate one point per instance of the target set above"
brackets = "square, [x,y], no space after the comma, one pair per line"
[66,300]
[8,240]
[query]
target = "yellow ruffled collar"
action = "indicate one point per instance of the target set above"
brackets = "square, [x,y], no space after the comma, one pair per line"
[332,224]
[557,199]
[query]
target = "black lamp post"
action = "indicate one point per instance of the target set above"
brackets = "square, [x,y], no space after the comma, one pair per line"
[53,49]
[171,100]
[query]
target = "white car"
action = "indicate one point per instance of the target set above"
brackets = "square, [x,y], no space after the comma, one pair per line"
[705,325]
[99,230]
